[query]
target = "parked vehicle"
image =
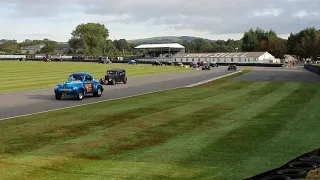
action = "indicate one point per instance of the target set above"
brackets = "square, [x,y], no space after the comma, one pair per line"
[57,60]
[213,64]
[157,63]
[132,62]
[169,63]
[104,61]
[179,64]
[45,59]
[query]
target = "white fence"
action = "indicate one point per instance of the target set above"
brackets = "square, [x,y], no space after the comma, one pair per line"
[38,56]
[12,56]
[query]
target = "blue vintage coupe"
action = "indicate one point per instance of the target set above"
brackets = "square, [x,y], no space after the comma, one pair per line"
[79,85]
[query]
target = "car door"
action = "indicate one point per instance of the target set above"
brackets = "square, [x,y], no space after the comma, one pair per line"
[120,75]
[88,83]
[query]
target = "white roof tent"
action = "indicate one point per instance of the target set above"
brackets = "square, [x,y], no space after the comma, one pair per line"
[152,46]
[161,50]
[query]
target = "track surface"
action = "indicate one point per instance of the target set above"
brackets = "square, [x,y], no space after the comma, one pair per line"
[295,74]
[22,103]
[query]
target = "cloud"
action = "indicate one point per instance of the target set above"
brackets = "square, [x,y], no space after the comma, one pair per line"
[217,17]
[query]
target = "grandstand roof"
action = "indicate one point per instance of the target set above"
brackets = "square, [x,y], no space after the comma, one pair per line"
[171,45]
[209,55]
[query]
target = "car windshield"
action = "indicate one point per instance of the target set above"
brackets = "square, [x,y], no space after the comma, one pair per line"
[75,78]
[111,72]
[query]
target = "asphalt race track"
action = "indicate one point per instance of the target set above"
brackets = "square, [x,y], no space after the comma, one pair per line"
[28,102]
[264,74]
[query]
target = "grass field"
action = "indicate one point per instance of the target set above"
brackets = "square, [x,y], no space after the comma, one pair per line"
[220,130]
[20,76]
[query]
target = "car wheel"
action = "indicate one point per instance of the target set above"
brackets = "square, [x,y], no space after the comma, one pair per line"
[58,96]
[292,173]
[98,93]
[101,81]
[277,177]
[125,80]
[113,82]
[307,166]
[80,95]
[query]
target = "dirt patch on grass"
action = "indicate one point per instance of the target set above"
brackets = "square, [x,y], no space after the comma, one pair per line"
[158,135]
[151,139]
[4,165]
[22,143]
[74,149]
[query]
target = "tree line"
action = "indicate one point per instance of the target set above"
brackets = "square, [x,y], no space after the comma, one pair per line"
[93,39]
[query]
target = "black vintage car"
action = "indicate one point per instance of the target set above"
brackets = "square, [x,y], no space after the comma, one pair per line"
[232,67]
[57,60]
[113,76]
[157,63]
[213,64]
[22,59]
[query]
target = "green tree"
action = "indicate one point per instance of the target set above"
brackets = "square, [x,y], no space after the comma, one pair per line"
[89,39]
[122,46]
[304,43]
[50,46]
[277,47]
[10,47]
[250,41]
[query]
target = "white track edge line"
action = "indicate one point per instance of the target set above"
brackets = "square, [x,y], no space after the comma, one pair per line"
[209,80]
[68,107]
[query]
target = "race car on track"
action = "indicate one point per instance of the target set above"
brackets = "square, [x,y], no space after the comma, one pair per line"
[206,66]
[232,67]
[113,76]
[79,85]
[194,65]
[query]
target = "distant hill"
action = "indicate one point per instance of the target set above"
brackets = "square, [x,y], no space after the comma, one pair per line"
[165,39]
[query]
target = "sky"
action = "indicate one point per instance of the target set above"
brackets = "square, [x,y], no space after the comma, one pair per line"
[132,19]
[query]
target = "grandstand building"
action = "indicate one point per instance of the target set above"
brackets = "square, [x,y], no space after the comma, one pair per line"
[237,57]
[161,51]
[176,53]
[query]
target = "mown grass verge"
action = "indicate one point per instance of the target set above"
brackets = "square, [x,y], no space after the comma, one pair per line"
[230,130]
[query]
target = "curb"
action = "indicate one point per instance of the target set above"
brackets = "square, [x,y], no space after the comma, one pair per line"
[213,79]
